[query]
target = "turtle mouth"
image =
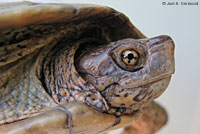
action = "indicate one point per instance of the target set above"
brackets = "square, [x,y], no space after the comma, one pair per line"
[153,89]
[151,82]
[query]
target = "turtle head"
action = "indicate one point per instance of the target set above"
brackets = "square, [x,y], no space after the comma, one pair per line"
[130,72]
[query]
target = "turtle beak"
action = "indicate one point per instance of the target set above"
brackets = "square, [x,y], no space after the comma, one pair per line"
[161,54]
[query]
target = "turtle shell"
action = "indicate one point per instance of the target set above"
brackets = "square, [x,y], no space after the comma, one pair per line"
[24,20]
[23,28]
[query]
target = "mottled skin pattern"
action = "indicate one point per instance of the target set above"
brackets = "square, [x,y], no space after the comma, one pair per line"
[129,87]
[65,66]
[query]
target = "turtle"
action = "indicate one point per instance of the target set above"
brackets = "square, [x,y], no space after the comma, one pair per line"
[76,68]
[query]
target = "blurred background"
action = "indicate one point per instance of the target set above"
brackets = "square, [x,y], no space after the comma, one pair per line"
[182,23]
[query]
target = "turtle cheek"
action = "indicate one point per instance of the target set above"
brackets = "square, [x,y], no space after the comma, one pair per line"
[134,98]
[116,96]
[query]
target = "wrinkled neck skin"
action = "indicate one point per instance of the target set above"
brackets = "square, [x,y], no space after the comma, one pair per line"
[63,82]
[99,78]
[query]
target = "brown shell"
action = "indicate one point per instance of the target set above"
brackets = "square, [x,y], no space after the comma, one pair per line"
[16,19]
[28,13]
[21,14]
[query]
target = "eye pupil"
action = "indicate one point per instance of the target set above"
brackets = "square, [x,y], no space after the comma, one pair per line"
[130,56]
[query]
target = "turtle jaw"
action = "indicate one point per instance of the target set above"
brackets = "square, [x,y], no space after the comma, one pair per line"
[137,97]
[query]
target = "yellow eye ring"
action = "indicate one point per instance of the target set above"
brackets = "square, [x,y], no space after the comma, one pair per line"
[130,57]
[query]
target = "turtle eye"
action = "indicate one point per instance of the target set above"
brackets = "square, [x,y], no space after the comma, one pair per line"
[130,57]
